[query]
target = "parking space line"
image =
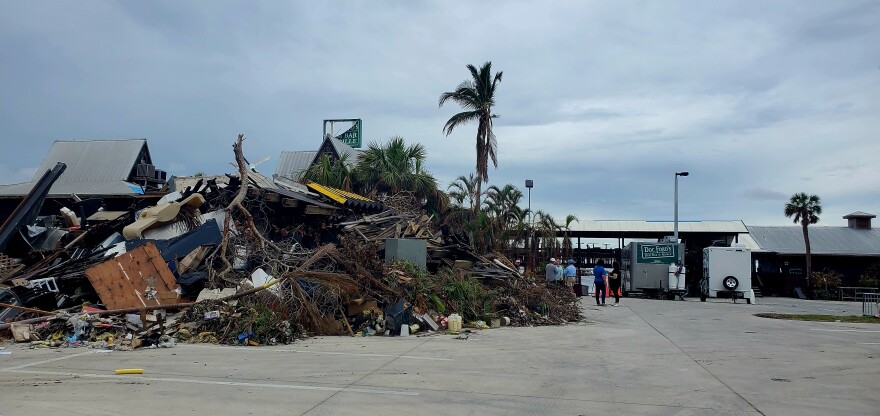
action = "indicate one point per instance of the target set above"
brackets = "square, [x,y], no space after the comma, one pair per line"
[18,367]
[841,330]
[353,354]
[220,383]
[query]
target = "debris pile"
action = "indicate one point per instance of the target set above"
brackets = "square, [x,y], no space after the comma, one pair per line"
[248,260]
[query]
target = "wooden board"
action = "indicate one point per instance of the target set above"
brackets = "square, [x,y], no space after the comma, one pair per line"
[123,282]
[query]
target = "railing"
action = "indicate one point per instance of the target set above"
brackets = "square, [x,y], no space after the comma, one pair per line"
[855,293]
[871,304]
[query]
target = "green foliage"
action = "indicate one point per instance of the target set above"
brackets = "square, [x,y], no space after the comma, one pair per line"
[826,282]
[871,276]
[330,173]
[443,292]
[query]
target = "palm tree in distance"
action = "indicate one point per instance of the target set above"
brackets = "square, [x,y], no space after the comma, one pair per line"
[806,210]
[477,97]
[566,240]
[463,189]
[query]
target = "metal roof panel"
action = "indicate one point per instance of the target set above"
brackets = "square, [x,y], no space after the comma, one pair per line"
[823,240]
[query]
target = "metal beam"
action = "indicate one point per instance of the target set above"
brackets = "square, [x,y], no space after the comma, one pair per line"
[26,212]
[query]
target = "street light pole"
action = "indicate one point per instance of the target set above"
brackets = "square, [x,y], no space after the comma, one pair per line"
[529,262]
[675,220]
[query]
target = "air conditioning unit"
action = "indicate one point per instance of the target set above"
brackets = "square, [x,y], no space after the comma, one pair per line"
[146,170]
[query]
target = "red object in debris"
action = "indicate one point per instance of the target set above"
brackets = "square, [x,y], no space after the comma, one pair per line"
[89,309]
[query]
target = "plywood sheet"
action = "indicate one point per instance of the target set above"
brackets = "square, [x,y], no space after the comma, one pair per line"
[134,279]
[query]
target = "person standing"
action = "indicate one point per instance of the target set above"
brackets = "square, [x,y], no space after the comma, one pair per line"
[599,276]
[614,283]
[550,271]
[570,274]
[519,266]
[560,273]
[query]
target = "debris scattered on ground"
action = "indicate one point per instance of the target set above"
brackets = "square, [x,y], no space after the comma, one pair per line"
[246,260]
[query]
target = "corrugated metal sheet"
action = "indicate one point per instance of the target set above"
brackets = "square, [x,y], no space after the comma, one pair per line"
[65,189]
[613,226]
[95,167]
[842,241]
[94,160]
[293,164]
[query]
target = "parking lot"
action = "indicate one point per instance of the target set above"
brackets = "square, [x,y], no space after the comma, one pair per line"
[647,357]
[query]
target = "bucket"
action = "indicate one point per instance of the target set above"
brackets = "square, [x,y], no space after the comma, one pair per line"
[454,321]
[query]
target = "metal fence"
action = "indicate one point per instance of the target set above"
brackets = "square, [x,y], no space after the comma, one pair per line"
[870,304]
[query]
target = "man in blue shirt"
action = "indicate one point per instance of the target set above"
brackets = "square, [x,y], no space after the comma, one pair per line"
[570,274]
[599,280]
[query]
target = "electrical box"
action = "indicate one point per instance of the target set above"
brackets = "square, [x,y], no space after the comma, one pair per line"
[414,251]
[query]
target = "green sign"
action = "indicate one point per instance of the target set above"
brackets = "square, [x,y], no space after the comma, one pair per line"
[657,253]
[352,136]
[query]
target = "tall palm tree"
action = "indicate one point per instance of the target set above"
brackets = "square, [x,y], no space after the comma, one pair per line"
[806,210]
[393,167]
[477,97]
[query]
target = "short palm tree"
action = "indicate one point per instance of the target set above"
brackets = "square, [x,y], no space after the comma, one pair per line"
[477,97]
[463,190]
[329,173]
[805,209]
[393,167]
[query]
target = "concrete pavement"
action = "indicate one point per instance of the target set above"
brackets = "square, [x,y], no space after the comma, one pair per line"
[647,357]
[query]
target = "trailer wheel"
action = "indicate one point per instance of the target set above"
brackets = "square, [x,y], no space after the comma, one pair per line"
[730,283]
[749,301]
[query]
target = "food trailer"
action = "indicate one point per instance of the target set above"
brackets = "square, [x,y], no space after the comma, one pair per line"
[645,268]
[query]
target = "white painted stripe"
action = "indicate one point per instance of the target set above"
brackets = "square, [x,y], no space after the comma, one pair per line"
[841,330]
[869,343]
[221,383]
[18,367]
[353,354]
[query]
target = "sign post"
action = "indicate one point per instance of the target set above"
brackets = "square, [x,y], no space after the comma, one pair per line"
[352,137]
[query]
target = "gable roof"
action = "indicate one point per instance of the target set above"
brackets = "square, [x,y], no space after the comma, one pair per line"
[343,149]
[94,167]
[292,164]
[840,241]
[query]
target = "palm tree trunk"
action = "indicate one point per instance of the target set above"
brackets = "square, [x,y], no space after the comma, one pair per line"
[479,192]
[809,257]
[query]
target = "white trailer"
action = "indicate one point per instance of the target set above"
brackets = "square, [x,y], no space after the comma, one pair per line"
[727,270]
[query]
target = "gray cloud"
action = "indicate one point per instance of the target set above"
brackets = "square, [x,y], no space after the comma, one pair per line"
[764,194]
[600,103]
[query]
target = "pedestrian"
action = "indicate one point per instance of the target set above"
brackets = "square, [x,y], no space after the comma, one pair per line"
[550,271]
[599,276]
[519,266]
[570,274]
[560,274]
[614,283]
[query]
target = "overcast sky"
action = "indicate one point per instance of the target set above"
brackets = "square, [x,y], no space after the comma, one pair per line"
[601,102]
